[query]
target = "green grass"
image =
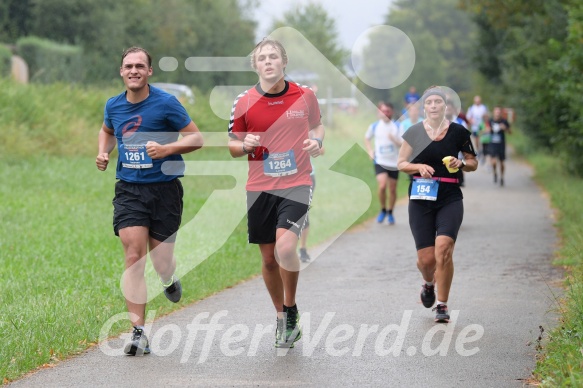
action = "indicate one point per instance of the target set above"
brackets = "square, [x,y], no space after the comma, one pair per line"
[560,361]
[51,119]
[60,263]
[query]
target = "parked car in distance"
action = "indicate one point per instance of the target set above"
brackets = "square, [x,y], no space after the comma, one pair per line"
[182,92]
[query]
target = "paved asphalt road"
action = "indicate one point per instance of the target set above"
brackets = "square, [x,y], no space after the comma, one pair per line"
[363,322]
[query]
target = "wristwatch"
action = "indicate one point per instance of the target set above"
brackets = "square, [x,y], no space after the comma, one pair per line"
[319,141]
[463,163]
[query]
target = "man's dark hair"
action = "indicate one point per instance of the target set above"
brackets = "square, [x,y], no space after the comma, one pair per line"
[386,103]
[135,49]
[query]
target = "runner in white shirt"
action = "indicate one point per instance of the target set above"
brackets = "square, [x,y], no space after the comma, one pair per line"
[475,117]
[387,142]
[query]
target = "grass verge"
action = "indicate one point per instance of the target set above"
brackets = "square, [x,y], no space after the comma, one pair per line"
[560,361]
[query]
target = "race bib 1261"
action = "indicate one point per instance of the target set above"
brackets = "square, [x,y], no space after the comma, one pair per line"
[134,156]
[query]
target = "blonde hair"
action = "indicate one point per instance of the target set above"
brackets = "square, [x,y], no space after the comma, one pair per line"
[268,42]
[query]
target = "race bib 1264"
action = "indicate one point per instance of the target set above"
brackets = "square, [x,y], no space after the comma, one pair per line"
[280,164]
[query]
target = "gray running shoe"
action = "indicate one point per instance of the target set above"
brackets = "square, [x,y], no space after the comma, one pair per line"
[304,257]
[139,345]
[442,314]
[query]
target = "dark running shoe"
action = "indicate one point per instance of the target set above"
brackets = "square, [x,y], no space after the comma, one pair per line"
[290,331]
[304,257]
[174,291]
[293,329]
[427,295]
[441,314]
[139,345]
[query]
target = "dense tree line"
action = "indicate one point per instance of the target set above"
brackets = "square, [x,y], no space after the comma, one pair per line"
[524,54]
[520,53]
[530,53]
[443,36]
[104,28]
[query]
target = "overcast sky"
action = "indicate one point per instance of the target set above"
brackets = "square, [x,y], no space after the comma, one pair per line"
[352,17]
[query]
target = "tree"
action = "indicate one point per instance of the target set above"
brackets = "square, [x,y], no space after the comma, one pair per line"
[443,36]
[70,20]
[14,19]
[222,29]
[387,62]
[538,50]
[486,53]
[565,78]
[312,21]
[104,28]
[454,36]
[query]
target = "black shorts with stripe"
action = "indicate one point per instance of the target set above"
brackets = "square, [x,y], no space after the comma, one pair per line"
[268,211]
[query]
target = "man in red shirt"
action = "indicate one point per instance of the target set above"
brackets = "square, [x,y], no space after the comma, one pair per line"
[277,125]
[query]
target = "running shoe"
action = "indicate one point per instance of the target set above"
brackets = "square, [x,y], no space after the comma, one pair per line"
[501,181]
[495,178]
[174,291]
[293,329]
[390,219]
[381,216]
[280,333]
[139,345]
[427,295]
[288,331]
[304,257]
[441,314]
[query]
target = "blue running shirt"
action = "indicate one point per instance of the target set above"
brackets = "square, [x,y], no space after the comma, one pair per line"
[158,118]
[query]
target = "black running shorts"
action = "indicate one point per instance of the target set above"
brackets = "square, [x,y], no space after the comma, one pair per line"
[268,211]
[427,223]
[378,169]
[157,206]
[498,150]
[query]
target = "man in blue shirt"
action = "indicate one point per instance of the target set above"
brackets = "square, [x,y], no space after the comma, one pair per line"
[411,96]
[145,123]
